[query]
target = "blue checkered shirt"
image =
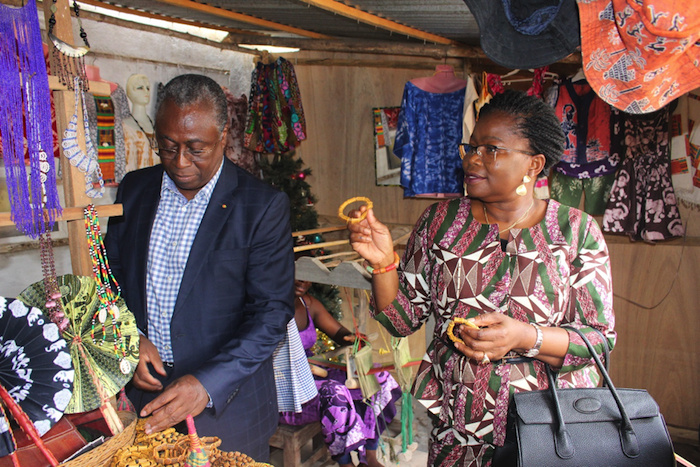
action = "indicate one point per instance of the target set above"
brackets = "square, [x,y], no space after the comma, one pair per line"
[175,226]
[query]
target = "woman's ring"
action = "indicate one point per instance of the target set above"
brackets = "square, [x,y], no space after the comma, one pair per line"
[485,360]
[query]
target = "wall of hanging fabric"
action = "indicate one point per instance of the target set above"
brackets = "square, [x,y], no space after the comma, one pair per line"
[275,122]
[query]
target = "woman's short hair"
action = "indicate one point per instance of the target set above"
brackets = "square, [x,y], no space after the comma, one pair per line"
[535,120]
[188,89]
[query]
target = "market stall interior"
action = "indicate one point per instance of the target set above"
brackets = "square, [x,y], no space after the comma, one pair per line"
[356,83]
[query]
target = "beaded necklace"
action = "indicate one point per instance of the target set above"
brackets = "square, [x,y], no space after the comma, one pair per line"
[151,138]
[85,161]
[104,279]
[518,221]
[69,61]
[25,126]
[54,305]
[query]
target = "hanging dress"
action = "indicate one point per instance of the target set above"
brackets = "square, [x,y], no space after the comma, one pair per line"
[427,141]
[642,202]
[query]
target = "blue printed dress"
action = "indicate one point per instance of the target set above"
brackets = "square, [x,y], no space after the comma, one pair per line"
[428,134]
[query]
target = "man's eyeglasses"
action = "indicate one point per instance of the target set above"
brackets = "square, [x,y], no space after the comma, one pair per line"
[486,152]
[193,155]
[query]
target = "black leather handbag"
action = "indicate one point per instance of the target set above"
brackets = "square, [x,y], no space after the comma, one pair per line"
[601,426]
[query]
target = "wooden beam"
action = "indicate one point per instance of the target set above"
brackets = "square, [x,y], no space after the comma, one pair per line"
[437,51]
[314,246]
[73,214]
[374,20]
[333,228]
[96,87]
[170,19]
[73,179]
[228,14]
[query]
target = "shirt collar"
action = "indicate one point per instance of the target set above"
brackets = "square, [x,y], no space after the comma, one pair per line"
[168,187]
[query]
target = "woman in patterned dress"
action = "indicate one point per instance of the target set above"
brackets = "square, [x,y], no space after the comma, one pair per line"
[516,266]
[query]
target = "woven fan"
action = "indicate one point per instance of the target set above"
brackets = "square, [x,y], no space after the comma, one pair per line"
[104,355]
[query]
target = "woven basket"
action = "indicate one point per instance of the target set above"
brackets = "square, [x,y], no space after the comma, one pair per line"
[102,455]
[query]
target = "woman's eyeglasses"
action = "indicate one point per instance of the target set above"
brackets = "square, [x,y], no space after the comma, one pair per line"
[486,152]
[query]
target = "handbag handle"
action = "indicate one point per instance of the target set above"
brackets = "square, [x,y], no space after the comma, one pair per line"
[563,444]
[606,349]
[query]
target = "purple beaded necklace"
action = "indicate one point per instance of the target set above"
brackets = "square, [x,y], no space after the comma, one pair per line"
[25,112]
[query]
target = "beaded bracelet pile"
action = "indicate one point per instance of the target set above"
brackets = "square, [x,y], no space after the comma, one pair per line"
[388,268]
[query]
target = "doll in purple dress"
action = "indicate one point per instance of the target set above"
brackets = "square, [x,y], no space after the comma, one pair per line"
[348,423]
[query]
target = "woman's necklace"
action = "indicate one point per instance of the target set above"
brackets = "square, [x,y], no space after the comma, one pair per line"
[519,220]
[151,138]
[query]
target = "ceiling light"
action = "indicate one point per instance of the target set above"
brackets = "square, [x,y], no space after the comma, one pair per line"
[270,48]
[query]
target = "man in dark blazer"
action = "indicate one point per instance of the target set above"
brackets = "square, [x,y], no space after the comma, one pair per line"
[206,344]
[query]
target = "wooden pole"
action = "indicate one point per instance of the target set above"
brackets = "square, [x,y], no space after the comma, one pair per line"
[73,179]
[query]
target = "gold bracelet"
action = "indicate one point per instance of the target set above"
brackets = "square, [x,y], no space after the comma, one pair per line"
[352,220]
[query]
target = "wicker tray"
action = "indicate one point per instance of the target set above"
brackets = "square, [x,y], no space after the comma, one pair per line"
[102,455]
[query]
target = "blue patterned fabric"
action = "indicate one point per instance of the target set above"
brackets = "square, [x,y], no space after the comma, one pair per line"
[427,138]
[174,229]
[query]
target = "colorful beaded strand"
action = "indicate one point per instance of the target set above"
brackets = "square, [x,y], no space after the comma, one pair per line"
[104,279]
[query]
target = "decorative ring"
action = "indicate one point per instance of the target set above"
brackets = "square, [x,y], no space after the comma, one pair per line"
[486,360]
[353,220]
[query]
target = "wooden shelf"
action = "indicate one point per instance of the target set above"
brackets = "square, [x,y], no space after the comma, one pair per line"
[73,214]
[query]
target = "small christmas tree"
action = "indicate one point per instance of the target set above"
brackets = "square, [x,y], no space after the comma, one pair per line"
[288,174]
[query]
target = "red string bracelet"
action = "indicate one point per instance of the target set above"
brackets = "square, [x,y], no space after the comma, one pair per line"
[388,268]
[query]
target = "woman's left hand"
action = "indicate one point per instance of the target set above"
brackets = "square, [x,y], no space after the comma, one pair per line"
[497,335]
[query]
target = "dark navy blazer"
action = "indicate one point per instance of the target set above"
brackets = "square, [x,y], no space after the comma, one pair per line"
[234,303]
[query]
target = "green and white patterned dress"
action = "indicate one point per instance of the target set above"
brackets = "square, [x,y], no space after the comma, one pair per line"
[554,273]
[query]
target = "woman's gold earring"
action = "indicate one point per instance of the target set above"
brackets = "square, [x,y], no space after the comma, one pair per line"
[522,189]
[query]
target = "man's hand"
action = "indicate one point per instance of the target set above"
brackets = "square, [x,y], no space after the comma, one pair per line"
[185,396]
[143,379]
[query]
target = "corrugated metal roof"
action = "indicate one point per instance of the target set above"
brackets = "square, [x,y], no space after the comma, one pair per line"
[450,19]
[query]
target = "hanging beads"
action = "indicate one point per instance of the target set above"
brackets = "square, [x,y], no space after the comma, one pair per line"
[102,273]
[54,306]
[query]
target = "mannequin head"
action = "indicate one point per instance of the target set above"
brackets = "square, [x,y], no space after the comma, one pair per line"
[138,89]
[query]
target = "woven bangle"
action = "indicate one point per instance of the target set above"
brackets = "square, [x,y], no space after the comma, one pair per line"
[352,220]
[388,268]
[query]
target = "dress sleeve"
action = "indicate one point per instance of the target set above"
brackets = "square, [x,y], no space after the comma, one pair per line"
[591,297]
[411,307]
